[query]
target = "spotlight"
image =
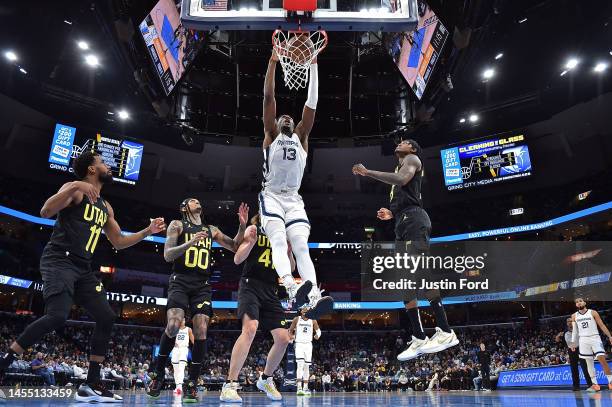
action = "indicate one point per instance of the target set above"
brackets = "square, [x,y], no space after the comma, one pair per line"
[473,118]
[92,60]
[23,71]
[83,45]
[572,63]
[123,114]
[68,22]
[499,56]
[600,67]
[11,56]
[522,20]
[462,120]
[488,73]
[563,73]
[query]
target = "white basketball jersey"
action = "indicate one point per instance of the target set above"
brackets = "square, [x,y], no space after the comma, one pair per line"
[284,163]
[586,324]
[303,331]
[182,338]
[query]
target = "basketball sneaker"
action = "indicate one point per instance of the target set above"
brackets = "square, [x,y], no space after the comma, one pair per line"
[190,393]
[154,388]
[299,392]
[594,388]
[229,393]
[269,387]
[318,305]
[298,293]
[414,349]
[178,390]
[440,341]
[96,393]
[307,392]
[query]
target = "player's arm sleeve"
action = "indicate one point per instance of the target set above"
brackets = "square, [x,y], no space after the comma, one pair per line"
[575,332]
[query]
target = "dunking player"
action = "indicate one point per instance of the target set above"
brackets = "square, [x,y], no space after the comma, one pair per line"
[179,355]
[283,216]
[412,224]
[66,271]
[188,245]
[258,301]
[585,332]
[301,331]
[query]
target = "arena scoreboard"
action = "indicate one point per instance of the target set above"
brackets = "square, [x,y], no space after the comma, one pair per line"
[486,161]
[122,156]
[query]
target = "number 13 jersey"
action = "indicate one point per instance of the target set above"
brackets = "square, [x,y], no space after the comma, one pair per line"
[284,164]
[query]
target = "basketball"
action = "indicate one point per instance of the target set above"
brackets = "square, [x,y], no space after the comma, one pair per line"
[300,49]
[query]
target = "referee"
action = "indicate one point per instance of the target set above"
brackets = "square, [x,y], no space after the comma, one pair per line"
[573,357]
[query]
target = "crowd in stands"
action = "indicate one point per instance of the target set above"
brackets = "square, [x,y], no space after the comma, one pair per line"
[341,361]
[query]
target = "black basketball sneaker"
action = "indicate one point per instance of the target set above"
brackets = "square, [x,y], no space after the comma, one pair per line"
[155,387]
[190,392]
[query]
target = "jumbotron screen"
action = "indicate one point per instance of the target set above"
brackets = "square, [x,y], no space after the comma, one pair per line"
[487,161]
[122,156]
[416,52]
[171,47]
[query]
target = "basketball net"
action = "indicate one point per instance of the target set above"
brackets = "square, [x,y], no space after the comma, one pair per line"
[296,50]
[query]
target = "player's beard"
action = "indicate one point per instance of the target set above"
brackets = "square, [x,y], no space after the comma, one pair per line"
[106,178]
[581,307]
[286,130]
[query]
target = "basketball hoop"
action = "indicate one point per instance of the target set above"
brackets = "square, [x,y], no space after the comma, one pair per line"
[296,50]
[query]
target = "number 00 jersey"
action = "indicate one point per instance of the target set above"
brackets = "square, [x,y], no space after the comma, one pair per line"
[258,264]
[78,228]
[284,163]
[586,324]
[196,260]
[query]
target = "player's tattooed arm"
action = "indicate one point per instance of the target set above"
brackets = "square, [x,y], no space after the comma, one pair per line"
[601,325]
[172,250]
[410,165]
[250,237]
[121,241]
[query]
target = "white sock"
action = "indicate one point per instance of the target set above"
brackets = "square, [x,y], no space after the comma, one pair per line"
[590,362]
[299,386]
[275,230]
[298,237]
[306,375]
[609,376]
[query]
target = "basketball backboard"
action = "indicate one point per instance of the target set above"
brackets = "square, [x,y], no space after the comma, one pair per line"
[330,15]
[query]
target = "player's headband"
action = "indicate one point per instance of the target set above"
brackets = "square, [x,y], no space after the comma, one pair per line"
[184,204]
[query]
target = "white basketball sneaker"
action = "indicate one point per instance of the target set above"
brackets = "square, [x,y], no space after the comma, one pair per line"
[269,388]
[415,349]
[229,393]
[440,341]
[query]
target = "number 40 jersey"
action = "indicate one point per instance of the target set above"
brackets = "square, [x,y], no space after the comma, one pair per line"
[258,264]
